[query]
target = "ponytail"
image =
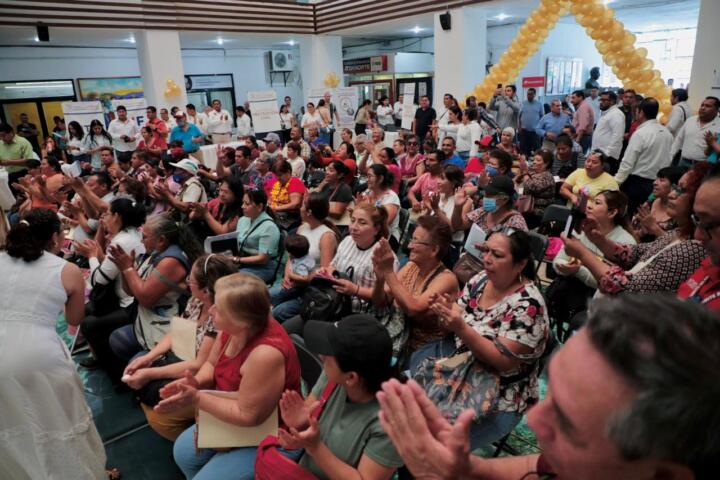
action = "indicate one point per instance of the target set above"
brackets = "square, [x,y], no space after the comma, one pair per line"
[31,236]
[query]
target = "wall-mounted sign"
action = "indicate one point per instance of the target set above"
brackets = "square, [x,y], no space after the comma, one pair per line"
[207,82]
[365,65]
[528,82]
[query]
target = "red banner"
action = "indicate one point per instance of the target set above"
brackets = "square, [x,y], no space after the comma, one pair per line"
[533,82]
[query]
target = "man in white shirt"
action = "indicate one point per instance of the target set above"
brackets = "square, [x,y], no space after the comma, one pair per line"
[690,140]
[647,152]
[124,132]
[443,115]
[169,121]
[195,117]
[242,122]
[680,110]
[608,134]
[219,123]
[398,109]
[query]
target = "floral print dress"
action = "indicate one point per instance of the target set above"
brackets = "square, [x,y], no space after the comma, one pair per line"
[520,317]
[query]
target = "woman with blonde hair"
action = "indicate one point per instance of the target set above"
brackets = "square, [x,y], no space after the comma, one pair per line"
[252,356]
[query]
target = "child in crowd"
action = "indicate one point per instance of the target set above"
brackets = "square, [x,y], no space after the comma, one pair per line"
[286,297]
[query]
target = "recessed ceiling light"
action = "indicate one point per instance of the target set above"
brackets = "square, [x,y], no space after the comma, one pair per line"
[36,39]
[131,39]
[291,43]
[417,29]
[220,41]
[502,16]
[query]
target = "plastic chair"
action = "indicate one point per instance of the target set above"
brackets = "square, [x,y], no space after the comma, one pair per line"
[538,244]
[310,364]
[280,255]
[555,216]
[403,223]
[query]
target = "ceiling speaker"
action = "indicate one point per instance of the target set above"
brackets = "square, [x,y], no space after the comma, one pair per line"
[445,20]
[43,33]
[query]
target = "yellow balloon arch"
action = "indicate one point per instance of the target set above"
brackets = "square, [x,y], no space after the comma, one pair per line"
[613,41]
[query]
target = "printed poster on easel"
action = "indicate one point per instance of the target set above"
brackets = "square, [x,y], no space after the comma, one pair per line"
[265,111]
[408,114]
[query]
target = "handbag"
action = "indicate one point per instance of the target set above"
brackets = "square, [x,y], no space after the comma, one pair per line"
[270,464]
[150,393]
[525,203]
[103,298]
[320,300]
[458,383]
[395,322]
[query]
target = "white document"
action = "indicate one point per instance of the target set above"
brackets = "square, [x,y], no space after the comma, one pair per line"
[265,111]
[182,334]
[408,111]
[476,237]
[214,433]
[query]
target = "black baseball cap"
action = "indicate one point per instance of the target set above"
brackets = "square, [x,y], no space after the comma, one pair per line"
[360,340]
[500,185]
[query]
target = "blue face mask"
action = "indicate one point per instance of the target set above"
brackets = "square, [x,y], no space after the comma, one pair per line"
[178,178]
[489,204]
[491,171]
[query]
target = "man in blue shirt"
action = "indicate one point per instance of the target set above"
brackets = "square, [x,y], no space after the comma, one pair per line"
[451,158]
[530,114]
[188,133]
[551,125]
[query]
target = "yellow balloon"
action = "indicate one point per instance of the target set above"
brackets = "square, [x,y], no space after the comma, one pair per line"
[642,52]
[647,65]
[168,92]
[630,38]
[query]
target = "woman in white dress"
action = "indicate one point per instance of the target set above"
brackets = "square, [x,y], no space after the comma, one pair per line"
[46,427]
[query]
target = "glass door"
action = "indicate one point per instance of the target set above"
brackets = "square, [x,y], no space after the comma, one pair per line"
[226,97]
[199,99]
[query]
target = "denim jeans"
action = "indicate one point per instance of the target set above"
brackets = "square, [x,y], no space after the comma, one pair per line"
[265,272]
[124,343]
[209,464]
[286,302]
[493,428]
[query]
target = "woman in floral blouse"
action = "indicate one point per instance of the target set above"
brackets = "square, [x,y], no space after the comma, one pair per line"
[537,181]
[161,365]
[501,318]
[659,266]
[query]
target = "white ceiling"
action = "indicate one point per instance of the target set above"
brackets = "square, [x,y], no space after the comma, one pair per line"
[636,14]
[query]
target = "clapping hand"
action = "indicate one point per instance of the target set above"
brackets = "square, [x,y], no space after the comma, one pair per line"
[293,439]
[293,410]
[449,313]
[179,394]
[88,248]
[430,447]
[647,221]
[460,196]
[383,259]
[568,269]
[119,257]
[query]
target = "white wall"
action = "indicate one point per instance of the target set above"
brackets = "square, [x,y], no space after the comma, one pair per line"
[565,40]
[248,66]
[371,49]
[706,67]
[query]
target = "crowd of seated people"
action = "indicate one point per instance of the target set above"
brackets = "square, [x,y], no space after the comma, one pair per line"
[408,288]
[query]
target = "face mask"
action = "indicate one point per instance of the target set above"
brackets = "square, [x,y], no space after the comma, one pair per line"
[177,178]
[491,171]
[489,204]
[180,123]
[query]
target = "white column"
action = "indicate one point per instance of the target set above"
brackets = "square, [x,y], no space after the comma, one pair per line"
[319,55]
[460,54]
[160,60]
[705,71]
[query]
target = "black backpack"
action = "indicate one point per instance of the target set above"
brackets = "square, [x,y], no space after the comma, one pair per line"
[321,301]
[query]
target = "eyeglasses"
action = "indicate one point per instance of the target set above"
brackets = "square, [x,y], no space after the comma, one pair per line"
[704,227]
[420,242]
[412,143]
[678,189]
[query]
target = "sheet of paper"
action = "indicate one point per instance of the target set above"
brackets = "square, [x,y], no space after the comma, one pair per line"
[182,334]
[214,433]
[476,237]
[7,199]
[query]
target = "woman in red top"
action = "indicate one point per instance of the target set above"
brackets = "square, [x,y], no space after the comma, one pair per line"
[254,357]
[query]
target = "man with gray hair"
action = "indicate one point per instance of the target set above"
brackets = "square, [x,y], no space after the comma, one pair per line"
[551,125]
[632,396]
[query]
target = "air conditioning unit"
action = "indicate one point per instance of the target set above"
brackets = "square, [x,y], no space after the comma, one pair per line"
[282,61]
